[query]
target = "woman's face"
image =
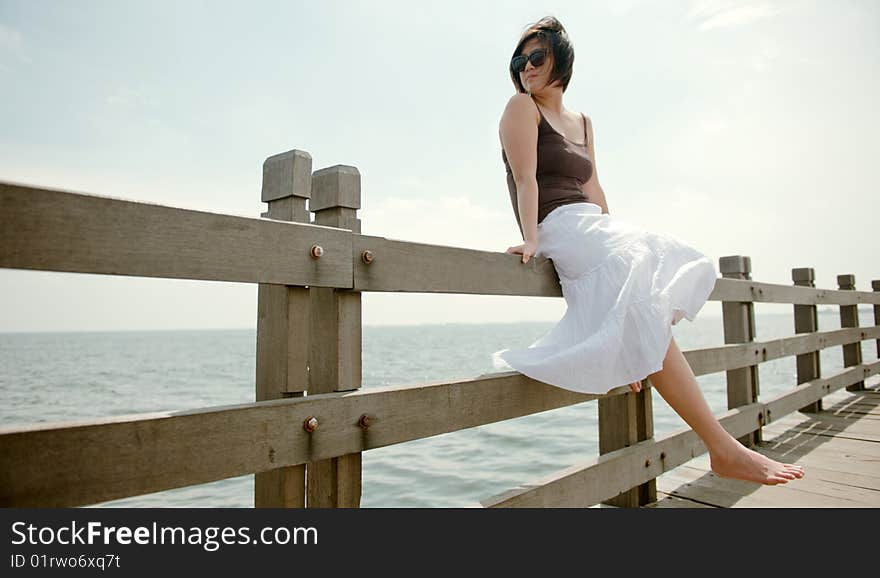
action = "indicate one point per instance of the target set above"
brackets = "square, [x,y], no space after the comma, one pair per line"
[534,79]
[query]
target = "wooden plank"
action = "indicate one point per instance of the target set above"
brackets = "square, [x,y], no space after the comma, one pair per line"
[738,355]
[861,472]
[758,292]
[855,413]
[699,484]
[418,267]
[808,487]
[849,317]
[739,327]
[54,230]
[335,348]
[806,320]
[282,368]
[577,485]
[606,476]
[796,443]
[828,422]
[88,461]
[76,463]
[862,406]
[669,501]
[812,447]
[786,403]
[623,421]
[834,431]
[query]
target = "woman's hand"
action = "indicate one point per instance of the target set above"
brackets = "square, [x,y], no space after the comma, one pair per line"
[636,386]
[527,250]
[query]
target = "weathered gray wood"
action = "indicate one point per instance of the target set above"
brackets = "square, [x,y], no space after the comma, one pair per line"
[607,475]
[875,285]
[287,177]
[849,317]
[739,327]
[406,266]
[806,321]
[90,461]
[335,355]
[696,482]
[786,403]
[734,356]
[625,420]
[665,500]
[56,230]
[283,325]
[758,292]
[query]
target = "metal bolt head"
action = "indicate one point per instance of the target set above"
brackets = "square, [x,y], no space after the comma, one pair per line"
[367,257]
[647,463]
[365,421]
[317,251]
[311,424]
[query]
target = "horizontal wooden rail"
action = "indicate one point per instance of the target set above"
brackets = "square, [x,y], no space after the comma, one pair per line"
[604,477]
[737,355]
[56,230]
[84,462]
[71,464]
[422,268]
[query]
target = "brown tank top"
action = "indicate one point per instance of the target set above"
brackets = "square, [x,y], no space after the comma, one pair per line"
[563,166]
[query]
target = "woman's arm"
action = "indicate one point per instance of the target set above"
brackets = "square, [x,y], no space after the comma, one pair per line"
[592,189]
[518,130]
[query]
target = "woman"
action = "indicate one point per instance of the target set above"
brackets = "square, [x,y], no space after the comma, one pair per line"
[625,287]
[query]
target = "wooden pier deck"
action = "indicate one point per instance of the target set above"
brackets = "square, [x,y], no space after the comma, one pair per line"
[839,448]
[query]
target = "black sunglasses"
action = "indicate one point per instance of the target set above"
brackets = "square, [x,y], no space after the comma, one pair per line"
[518,63]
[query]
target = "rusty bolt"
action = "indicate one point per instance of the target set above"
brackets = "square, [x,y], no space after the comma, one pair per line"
[364,422]
[311,424]
[317,251]
[647,463]
[367,257]
[662,455]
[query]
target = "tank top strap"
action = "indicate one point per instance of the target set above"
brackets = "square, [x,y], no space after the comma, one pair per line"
[584,118]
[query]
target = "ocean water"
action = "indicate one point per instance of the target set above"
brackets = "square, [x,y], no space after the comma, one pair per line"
[46,377]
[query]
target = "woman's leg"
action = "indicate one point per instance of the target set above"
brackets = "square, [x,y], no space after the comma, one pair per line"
[728,457]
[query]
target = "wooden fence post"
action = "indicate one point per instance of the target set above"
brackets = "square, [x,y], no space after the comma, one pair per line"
[739,327]
[806,321]
[849,317]
[283,324]
[624,420]
[335,354]
[875,285]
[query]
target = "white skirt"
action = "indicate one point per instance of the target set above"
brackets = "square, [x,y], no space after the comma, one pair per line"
[624,288]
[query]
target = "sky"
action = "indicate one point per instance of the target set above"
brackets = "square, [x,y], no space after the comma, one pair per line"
[742,128]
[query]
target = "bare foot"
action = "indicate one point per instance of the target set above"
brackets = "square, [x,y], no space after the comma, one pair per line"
[743,463]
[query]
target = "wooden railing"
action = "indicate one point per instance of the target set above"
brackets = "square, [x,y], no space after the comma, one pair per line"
[304,435]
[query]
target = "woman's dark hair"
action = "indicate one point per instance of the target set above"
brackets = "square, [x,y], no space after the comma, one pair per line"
[553,37]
